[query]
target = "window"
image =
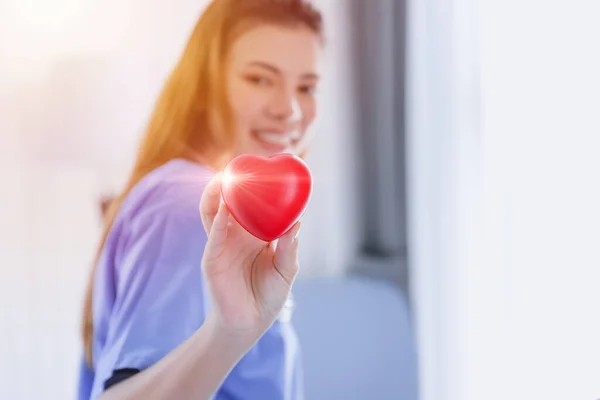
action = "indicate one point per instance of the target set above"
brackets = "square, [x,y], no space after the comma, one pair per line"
[379,29]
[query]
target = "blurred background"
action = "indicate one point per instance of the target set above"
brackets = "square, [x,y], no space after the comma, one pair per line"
[450,251]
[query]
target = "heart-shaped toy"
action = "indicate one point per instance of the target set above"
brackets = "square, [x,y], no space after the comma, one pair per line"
[266,196]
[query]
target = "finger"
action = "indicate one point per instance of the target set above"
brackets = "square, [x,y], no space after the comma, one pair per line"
[209,203]
[286,254]
[293,232]
[273,245]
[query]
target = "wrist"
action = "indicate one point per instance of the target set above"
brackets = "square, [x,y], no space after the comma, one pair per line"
[232,342]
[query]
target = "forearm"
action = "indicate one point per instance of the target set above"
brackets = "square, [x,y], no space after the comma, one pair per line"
[194,370]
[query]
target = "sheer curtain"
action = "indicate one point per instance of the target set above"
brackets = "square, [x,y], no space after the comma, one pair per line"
[503,197]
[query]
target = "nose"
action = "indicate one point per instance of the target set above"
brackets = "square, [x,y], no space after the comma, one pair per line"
[285,107]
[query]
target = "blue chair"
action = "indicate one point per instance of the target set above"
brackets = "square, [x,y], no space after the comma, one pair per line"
[357,341]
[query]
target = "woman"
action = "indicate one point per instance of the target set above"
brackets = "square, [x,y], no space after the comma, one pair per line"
[185,305]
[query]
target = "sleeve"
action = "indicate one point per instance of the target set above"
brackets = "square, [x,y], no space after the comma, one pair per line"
[272,369]
[160,300]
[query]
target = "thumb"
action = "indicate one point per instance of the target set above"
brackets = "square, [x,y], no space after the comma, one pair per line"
[217,237]
[219,228]
[210,200]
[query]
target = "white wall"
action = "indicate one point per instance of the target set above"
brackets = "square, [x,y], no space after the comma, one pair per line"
[503,135]
[445,193]
[77,82]
[541,125]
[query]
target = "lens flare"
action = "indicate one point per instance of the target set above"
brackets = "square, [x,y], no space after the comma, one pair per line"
[228,177]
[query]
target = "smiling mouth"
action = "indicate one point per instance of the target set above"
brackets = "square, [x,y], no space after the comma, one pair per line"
[276,142]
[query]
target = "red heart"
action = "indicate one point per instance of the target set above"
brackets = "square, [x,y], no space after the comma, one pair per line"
[266,196]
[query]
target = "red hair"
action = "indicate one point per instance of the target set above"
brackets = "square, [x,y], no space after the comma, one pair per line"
[193,99]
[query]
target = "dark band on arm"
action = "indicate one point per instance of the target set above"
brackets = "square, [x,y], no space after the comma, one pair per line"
[119,375]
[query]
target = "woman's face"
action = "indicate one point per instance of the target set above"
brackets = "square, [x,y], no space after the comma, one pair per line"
[271,81]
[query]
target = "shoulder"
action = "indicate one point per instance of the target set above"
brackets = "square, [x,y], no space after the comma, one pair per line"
[160,218]
[173,189]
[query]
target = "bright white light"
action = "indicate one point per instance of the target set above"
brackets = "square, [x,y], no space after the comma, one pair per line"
[228,177]
[46,16]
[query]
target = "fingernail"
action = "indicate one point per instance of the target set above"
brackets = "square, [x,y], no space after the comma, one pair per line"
[297,230]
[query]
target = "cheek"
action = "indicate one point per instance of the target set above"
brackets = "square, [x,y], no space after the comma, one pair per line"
[244,104]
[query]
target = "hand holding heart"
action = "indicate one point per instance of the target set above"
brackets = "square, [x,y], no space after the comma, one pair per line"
[249,279]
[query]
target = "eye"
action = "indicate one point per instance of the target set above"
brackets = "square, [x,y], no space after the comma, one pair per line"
[258,80]
[308,89]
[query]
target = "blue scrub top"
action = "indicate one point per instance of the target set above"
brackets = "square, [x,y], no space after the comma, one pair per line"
[149,293]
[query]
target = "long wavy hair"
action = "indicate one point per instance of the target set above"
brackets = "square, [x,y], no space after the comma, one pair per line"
[194,99]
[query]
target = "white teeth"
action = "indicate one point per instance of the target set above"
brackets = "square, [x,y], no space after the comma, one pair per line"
[275,138]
